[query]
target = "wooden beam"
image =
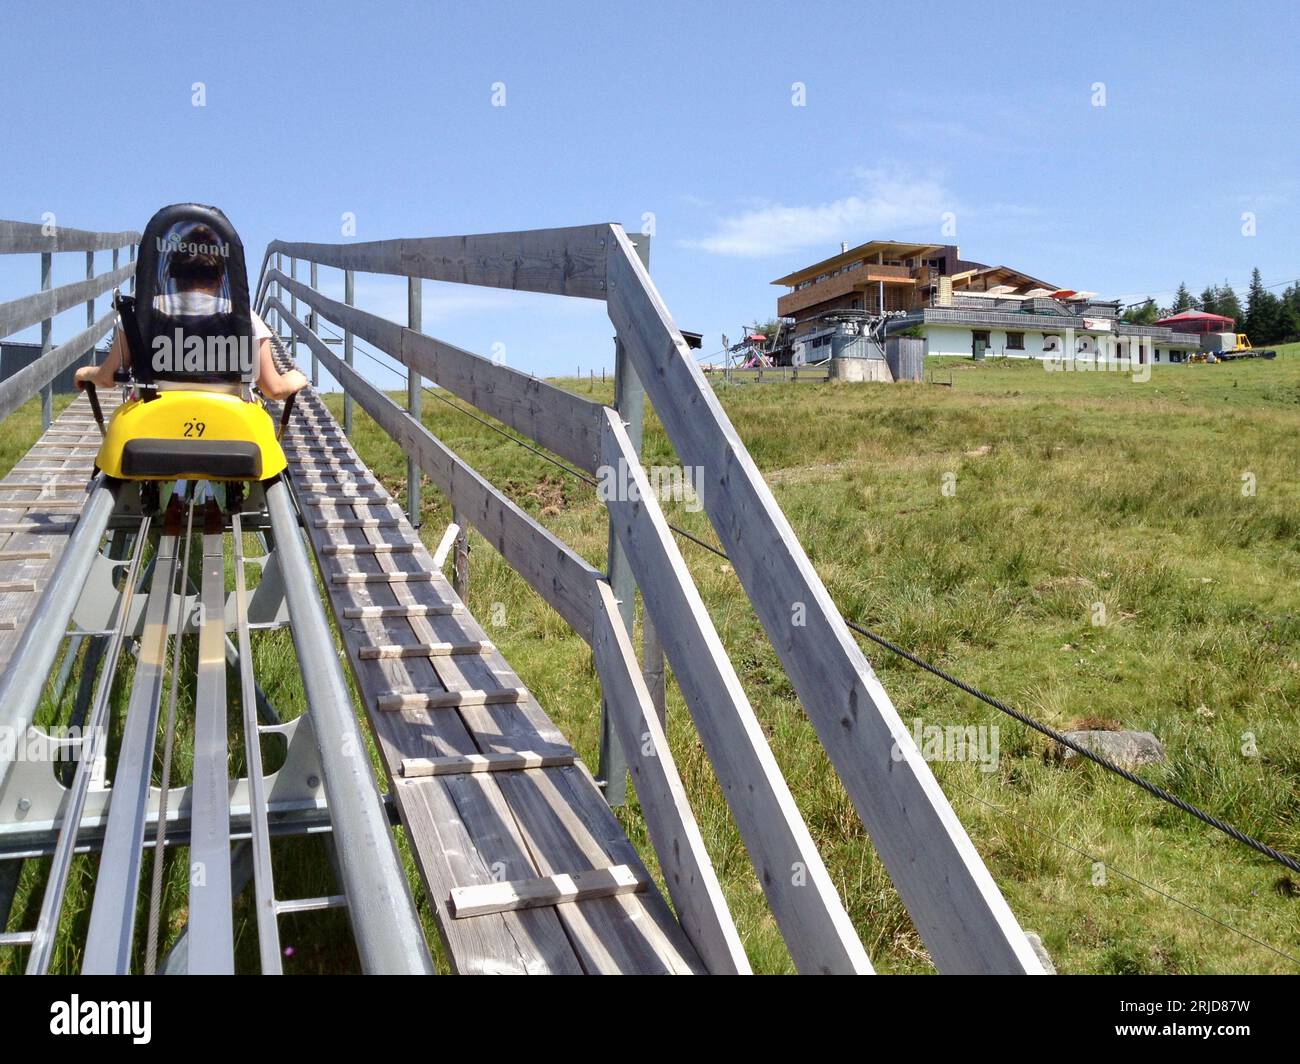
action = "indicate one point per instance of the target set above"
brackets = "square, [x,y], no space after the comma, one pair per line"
[569,261]
[559,420]
[441,609]
[445,544]
[394,700]
[459,764]
[28,237]
[17,389]
[957,908]
[808,910]
[19,313]
[425,650]
[484,898]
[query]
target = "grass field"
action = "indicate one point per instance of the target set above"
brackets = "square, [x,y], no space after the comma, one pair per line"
[988,526]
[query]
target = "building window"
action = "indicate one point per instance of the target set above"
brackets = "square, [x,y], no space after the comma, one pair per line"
[980,336]
[1015,341]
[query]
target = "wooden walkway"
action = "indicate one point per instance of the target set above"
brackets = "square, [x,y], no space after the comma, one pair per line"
[504,822]
[40,500]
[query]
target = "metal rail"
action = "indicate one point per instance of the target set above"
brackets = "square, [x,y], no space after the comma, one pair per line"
[212,936]
[38,961]
[112,915]
[29,665]
[268,930]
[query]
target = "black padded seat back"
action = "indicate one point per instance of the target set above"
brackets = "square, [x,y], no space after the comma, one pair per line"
[191,299]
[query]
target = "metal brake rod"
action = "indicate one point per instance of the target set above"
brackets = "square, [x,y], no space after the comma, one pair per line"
[112,915]
[268,929]
[212,937]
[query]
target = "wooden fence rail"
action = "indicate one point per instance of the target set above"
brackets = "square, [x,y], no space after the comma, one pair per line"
[29,310]
[25,238]
[569,262]
[17,238]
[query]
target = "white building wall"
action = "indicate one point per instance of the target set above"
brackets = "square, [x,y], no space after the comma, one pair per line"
[959,340]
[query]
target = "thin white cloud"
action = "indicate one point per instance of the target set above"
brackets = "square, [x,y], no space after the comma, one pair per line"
[884,203]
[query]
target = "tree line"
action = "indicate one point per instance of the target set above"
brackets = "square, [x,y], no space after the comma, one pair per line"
[1266,318]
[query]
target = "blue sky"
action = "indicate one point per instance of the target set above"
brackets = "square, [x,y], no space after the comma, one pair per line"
[617,111]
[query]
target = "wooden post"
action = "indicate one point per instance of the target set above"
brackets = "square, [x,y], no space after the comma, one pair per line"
[460,558]
[652,671]
[90,303]
[279,292]
[349,297]
[629,401]
[293,309]
[115,251]
[47,331]
[314,326]
[415,320]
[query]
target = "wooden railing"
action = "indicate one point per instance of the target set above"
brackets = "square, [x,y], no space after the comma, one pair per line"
[949,893]
[45,305]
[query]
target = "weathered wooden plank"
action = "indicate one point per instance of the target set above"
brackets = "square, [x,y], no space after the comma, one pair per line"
[34,536]
[7,555]
[559,420]
[21,386]
[544,890]
[28,310]
[554,570]
[568,832]
[456,764]
[957,908]
[421,610]
[29,237]
[424,650]
[568,261]
[356,522]
[688,873]
[396,700]
[808,910]
[381,578]
[342,497]
[463,836]
[367,548]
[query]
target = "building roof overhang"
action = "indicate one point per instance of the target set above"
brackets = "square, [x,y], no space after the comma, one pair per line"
[887,248]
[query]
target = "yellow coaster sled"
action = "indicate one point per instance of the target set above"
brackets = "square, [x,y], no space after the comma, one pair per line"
[191,435]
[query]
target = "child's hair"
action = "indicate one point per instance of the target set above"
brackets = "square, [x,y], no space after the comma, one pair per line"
[198,262]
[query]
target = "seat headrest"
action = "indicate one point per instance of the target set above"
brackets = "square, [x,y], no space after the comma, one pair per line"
[191,298]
